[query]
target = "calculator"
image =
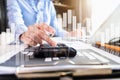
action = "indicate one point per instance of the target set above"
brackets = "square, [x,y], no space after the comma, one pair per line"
[61,50]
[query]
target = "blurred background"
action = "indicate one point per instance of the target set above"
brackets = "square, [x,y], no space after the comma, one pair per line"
[98,19]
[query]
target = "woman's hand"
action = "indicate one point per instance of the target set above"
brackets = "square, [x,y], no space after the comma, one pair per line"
[37,33]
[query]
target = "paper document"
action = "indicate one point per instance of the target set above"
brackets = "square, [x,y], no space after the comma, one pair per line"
[7,70]
[8,51]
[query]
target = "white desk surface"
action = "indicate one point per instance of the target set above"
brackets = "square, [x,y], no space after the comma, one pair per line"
[6,52]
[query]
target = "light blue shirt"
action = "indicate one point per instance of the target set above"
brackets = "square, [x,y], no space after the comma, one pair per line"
[23,15]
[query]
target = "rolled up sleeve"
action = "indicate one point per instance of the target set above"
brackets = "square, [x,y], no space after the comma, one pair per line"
[15,16]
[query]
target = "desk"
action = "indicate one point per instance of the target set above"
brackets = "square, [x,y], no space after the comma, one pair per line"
[13,77]
[76,45]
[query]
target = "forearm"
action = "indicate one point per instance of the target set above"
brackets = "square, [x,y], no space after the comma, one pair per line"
[15,17]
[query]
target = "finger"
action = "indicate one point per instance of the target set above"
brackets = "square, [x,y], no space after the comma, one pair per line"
[33,33]
[45,37]
[37,33]
[28,41]
[34,37]
[41,33]
[31,28]
[45,27]
[30,37]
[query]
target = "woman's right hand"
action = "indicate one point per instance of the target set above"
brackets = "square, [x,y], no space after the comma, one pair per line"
[37,33]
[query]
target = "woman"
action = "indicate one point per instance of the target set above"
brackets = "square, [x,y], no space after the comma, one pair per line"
[32,19]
